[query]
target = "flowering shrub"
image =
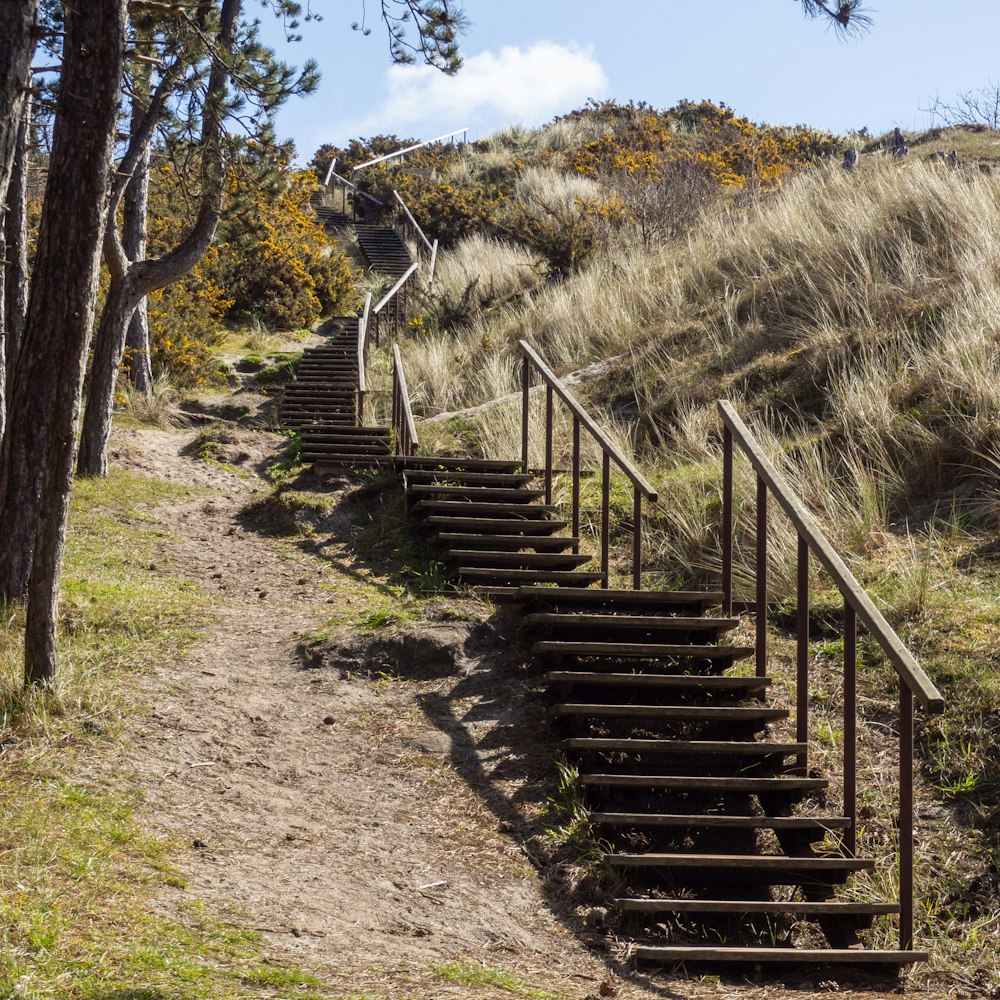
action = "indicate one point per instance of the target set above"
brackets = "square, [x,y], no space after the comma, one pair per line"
[277,262]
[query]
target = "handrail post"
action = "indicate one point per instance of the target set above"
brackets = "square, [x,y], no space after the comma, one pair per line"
[727,522]
[576,485]
[802,652]
[851,726]
[905,817]
[636,539]
[525,401]
[605,518]
[548,444]
[760,639]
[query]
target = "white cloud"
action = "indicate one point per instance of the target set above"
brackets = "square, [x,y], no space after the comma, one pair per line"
[526,85]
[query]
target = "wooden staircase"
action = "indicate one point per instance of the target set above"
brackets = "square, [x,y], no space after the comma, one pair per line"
[726,849]
[383,250]
[322,404]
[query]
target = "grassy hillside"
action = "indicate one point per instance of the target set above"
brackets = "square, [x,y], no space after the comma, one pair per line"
[854,319]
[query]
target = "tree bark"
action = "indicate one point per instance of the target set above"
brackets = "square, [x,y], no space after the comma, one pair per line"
[36,462]
[17,43]
[140,369]
[16,236]
[131,282]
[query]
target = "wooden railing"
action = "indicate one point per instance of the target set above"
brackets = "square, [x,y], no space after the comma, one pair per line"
[914,684]
[356,193]
[403,426]
[363,358]
[531,362]
[390,313]
[411,228]
[409,149]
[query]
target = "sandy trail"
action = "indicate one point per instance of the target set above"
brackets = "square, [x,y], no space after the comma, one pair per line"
[363,825]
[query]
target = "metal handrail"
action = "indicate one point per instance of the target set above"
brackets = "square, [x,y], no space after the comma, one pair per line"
[910,672]
[914,684]
[408,149]
[607,445]
[397,296]
[402,413]
[363,344]
[432,264]
[395,288]
[412,221]
[640,486]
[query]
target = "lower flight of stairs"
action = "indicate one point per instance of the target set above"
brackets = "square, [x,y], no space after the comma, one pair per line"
[723,844]
[321,403]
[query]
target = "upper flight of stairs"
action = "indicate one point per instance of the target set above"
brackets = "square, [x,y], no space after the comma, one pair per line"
[321,403]
[725,849]
[383,250]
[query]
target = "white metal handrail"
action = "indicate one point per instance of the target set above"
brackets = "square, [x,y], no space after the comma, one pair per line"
[412,221]
[362,339]
[433,263]
[409,149]
[387,298]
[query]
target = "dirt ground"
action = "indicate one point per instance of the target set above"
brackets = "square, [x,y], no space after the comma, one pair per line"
[369,803]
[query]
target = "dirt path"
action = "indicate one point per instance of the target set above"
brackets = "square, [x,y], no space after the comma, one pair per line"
[362,822]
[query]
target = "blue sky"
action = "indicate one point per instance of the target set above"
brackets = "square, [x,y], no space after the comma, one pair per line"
[528,60]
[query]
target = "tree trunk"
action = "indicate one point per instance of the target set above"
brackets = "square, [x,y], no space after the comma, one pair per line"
[134,228]
[16,235]
[37,459]
[109,349]
[17,43]
[133,281]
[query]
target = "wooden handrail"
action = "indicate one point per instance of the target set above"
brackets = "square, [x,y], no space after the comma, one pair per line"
[363,343]
[910,672]
[607,445]
[395,288]
[408,149]
[432,264]
[353,187]
[402,400]
[412,221]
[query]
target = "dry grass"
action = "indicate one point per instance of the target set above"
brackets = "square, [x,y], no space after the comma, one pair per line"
[853,319]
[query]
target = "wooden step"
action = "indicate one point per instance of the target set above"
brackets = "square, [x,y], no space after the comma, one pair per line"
[706,783]
[550,543]
[618,599]
[673,623]
[322,430]
[534,526]
[484,557]
[470,464]
[745,864]
[457,476]
[671,713]
[793,907]
[640,650]
[462,508]
[673,954]
[476,493]
[566,578]
[733,748]
[346,449]
[820,824]
[683,681]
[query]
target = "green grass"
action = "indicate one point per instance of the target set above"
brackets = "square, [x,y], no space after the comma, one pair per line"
[473,974]
[78,868]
